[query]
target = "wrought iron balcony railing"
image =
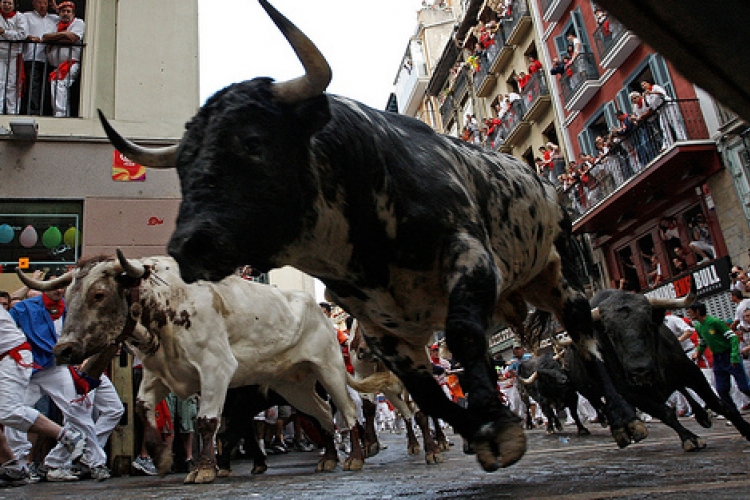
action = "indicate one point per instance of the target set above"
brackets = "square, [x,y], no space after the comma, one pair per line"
[581,69]
[634,151]
[39,79]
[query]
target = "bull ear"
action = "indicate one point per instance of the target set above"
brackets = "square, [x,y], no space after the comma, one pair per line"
[313,114]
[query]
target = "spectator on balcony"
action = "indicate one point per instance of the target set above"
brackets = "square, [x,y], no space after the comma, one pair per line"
[602,19]
[39,22]
[12,29]
[522,79]
[670,120]
[669,232]
[473,125]
[641,109]
[655,276]
[701,243]
[679,265]
[574,47]
[534,64]
[502,106]
[65,57]
[558,67]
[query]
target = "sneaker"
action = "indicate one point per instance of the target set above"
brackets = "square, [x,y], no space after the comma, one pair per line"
[14,473]
[74,443]
[34,476]
[277,446]
[145,465]
[303,446]
[100,473]
[59,475]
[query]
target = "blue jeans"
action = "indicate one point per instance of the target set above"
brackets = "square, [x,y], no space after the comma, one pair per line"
[723,370]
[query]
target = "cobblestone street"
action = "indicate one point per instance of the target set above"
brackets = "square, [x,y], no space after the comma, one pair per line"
[562,466]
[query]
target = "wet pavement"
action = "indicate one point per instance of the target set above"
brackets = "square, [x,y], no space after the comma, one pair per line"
[561,466]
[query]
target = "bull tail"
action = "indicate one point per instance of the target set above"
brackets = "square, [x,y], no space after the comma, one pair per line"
[377,382]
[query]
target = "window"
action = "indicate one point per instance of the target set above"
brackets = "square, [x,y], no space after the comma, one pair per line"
[48,234]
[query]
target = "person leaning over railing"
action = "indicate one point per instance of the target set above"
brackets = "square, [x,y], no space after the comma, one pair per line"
[39,22]
[65,57]
[12,29]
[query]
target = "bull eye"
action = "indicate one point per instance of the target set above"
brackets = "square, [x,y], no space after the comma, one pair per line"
[99,296]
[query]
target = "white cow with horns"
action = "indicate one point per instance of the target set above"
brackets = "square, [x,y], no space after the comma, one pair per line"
[205,337]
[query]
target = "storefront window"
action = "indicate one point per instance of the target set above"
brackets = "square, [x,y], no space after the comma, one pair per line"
[40,235]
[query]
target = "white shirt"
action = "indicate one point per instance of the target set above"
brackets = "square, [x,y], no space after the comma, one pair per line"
[741,309]
[660,95]
[15,29]
[37,25]
[60,53]
[10,335]
[679,327]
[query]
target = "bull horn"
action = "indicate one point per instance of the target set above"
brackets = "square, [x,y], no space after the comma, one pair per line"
[317,71]
[672,303]
[165,157]
[45,286]
[595,315]
[133,270]
[530,380]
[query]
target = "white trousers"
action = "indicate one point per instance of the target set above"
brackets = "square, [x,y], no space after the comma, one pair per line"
[107,409]
[9,84]
[60,90]
[14,379]
[57,383]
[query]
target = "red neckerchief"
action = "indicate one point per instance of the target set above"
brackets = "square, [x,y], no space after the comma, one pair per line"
[62,26]
[8,16]
[55,308]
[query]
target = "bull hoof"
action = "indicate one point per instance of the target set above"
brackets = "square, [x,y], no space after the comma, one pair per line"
[704,420]
[205,475]
[584,432]
[622,438]
[508,444]
[259,469]
[224,473]
[444,445]
[353,464]
[414,449]
[433,458]
[373,450]
[190,478]
[694,444]
[326,465]
[164,464]
[637,430]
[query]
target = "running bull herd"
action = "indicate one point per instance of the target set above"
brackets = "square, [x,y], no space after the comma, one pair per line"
[411,232]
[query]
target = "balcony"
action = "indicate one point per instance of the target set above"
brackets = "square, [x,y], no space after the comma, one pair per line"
[410,87]
[37,92]
[553,10]
[614,43]
[514,126]
[460,84]
[581,84]
[447,109]
[484,81]
[669,149]
[499,53]
[536,96]
[518,23]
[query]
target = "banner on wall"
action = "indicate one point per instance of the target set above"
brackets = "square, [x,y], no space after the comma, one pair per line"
[709,279]
[125,170]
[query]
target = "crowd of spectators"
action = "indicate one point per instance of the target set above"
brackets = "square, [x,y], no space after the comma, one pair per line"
[40,57]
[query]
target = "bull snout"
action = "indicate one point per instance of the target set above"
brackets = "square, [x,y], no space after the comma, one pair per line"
[69,353]
[203,252]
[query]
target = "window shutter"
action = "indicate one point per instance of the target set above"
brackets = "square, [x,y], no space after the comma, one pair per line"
[586,142]
[610,114]
[661,74]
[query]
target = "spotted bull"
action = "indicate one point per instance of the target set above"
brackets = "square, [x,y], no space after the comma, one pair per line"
[647,363]
[412,231]
[205,337]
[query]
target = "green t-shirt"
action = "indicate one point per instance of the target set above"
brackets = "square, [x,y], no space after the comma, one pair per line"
[716,335]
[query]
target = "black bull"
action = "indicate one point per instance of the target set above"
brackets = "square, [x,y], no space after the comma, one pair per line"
[647,364]
[545,380]
[412,231]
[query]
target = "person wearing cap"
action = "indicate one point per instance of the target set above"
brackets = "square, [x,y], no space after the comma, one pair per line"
[64,56]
